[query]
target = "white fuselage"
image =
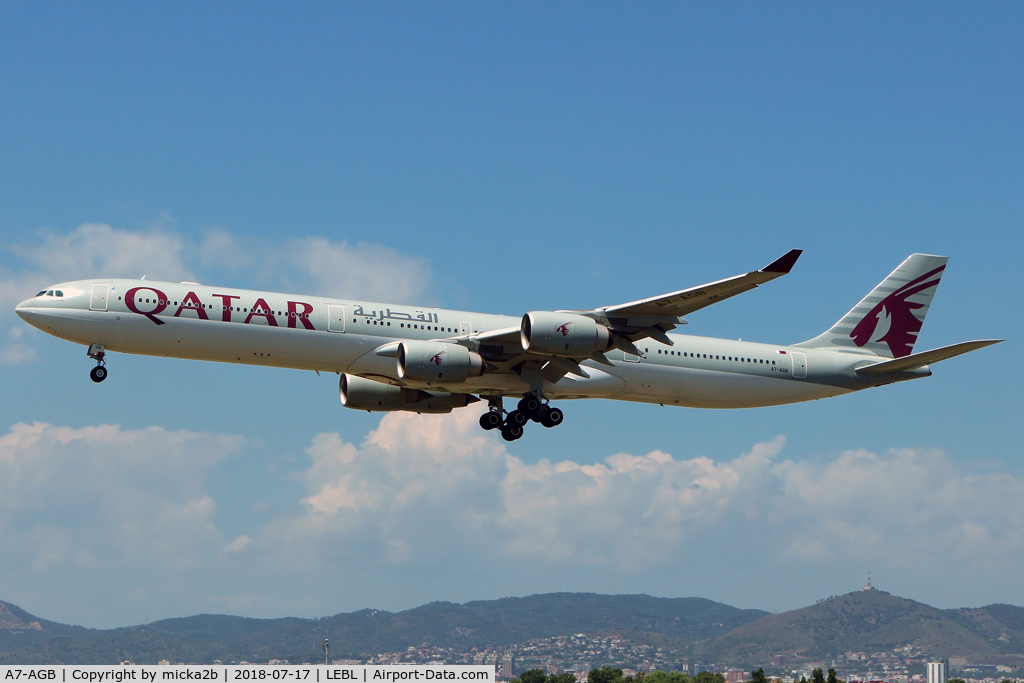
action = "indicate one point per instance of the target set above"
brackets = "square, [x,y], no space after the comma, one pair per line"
[183,320]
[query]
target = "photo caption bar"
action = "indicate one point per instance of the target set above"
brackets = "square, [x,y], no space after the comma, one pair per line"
[231,673]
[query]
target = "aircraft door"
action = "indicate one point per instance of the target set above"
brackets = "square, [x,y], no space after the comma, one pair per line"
[336,318]
[466,328]
[799,364]
[98,302]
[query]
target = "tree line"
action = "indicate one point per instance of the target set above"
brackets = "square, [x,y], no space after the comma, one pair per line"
[607,674]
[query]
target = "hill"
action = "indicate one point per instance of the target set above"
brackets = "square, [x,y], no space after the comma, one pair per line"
[1000,625]
[206,637]
[690,629]
[872,621]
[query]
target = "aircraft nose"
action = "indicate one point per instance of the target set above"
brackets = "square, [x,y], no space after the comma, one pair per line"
[22,309]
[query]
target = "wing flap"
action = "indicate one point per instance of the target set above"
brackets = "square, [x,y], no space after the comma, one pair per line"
[917,360]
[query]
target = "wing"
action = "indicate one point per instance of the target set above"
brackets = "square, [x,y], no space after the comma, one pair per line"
[687,301]
[628,322]
[655,316]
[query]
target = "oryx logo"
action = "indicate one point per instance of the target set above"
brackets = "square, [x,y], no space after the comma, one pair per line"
[436,358]
[898,313]
[564,329]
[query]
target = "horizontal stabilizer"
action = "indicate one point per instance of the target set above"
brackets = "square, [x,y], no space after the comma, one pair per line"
[918,360]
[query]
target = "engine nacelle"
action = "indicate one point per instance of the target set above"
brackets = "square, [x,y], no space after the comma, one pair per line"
[441,402]
[563,334]
[360,393]
[437,362]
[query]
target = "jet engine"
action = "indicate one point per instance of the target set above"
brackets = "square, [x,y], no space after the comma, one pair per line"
[440,362]
[360,393]
[563,334]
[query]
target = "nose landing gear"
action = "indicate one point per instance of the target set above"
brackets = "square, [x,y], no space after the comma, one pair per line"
[531,407]
[98,353]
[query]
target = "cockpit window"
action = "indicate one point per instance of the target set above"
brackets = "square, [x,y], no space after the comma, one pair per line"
[58,293]
[50,293]
[41,293]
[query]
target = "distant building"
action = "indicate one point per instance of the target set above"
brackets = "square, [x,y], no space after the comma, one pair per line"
[505,669]
[938,672]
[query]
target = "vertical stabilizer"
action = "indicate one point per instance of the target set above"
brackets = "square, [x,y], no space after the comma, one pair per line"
[887,320]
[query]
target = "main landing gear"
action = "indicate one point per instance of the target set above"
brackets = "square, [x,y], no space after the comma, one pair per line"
[512,425]
[98,352]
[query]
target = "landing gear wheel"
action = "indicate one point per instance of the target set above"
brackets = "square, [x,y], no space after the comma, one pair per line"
[490,420]
[98,373]
[531,406]
[517,418]
[511,432]
[553,418]
[541,414]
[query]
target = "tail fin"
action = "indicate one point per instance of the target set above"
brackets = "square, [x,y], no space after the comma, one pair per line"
[887,320]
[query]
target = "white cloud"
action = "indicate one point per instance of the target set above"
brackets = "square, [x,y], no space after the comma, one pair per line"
[107,497]
[913,504]
[14,354]
[95,248]
[419,483]
[237,544]
[360,271]
[430,507]
[303,265]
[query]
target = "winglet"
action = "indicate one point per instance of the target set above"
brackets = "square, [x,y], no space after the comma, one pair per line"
[783,264]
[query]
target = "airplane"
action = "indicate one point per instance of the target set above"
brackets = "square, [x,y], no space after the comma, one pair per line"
[405,358]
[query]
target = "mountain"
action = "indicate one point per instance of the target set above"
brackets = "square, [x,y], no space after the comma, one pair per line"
[206,637]
[19,629]
[1001,625]
[691,629]
[872,621]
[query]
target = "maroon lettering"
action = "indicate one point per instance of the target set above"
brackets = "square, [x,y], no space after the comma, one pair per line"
[160,303]
[261,309]
[191,302]
[303,315]
[225,300]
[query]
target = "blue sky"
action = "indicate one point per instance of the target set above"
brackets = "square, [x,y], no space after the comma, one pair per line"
[507,158]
